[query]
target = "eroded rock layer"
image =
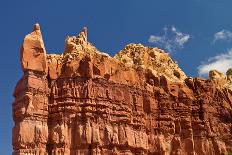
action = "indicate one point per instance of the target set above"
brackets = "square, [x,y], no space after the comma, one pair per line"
[138,102]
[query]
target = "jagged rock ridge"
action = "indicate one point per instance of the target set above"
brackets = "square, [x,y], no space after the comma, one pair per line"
[137,102]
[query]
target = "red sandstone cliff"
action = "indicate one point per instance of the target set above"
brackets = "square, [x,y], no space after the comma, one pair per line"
[137,102]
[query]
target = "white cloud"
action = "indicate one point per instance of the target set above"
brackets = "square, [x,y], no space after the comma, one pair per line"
[172,39]
[153,39]
[224,35]
[220,62]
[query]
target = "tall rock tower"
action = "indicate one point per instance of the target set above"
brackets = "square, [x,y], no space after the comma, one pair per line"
[30,108]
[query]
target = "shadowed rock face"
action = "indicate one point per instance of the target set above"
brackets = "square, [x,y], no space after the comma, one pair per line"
[137,102]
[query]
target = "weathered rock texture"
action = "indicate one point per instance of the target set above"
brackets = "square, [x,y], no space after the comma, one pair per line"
[138,102]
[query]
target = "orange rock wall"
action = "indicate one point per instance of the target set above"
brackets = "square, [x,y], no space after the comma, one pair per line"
[94,104]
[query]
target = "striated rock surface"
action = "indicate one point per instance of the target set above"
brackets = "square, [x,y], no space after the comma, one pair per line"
[138,102]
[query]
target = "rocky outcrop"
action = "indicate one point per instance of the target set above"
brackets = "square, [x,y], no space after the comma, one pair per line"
[33,53]
[137,102]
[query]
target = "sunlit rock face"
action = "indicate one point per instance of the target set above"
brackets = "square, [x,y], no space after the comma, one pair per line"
[138,102]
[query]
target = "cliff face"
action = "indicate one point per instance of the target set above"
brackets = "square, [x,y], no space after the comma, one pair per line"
[137,102]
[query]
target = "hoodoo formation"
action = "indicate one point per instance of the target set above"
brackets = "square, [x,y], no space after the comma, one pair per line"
[86,102]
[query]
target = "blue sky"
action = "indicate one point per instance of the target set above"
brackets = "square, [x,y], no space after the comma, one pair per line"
[196,33]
